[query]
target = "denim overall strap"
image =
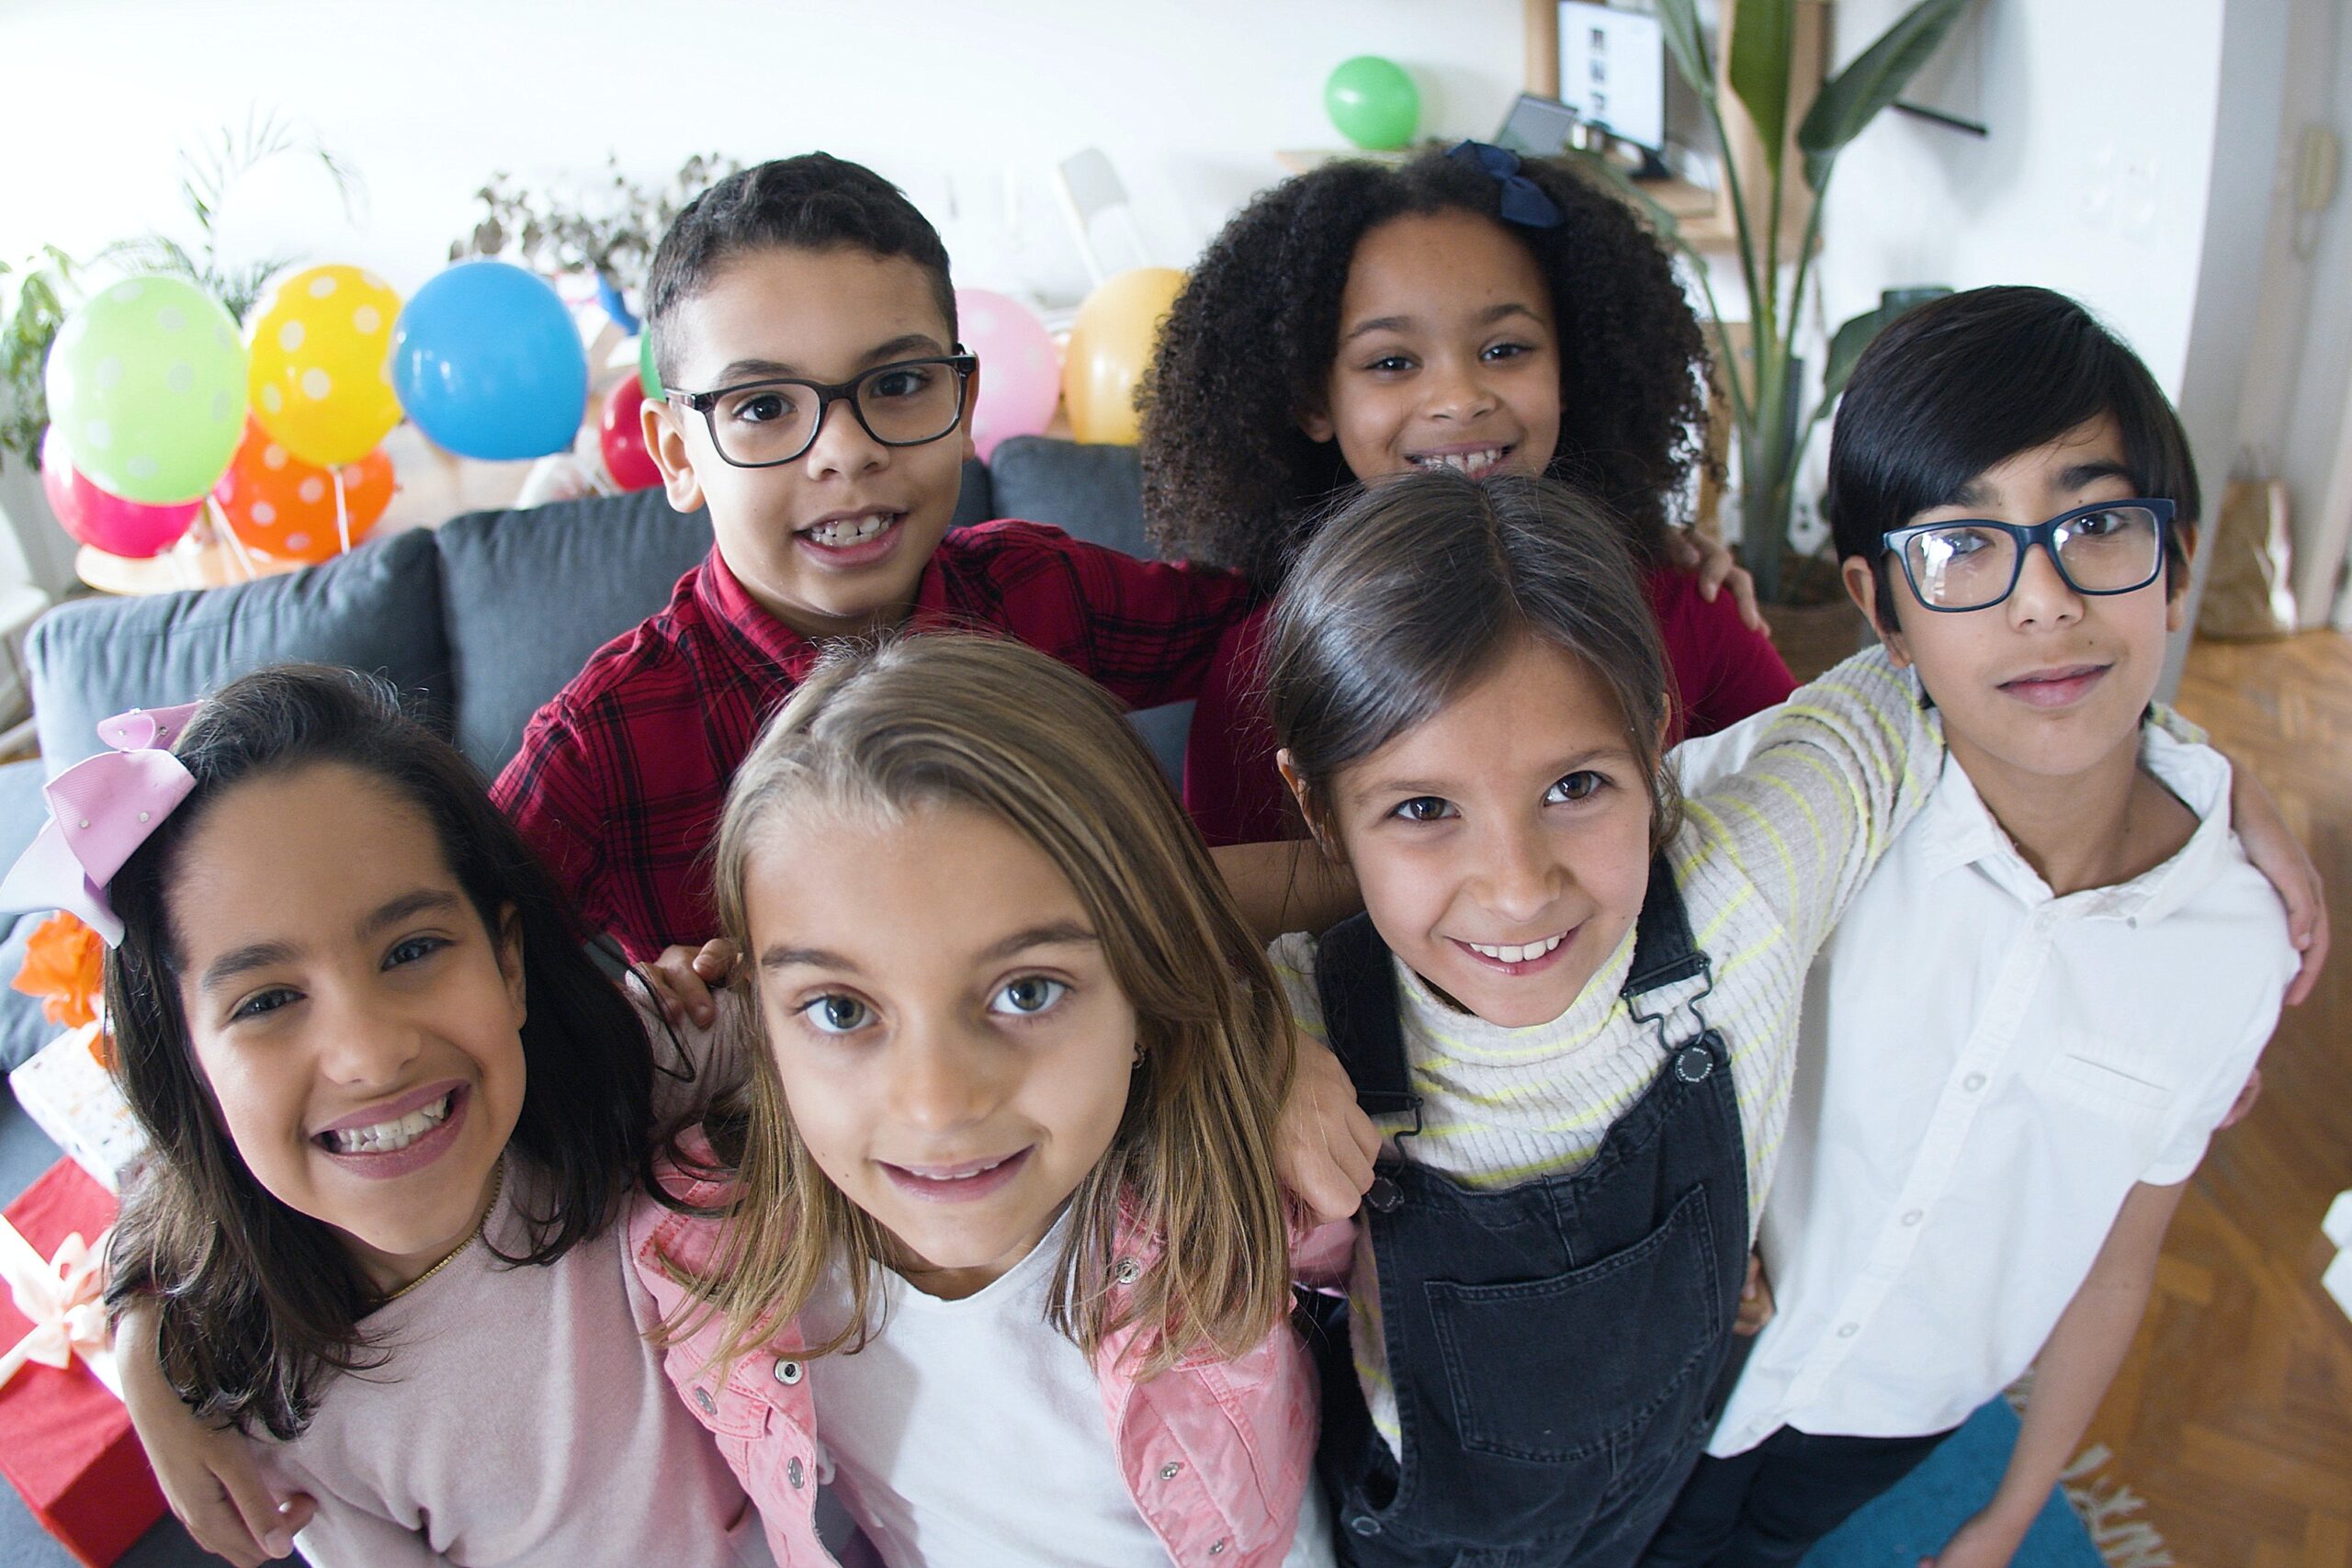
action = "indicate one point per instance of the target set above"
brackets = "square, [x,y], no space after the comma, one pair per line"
[1554,1346]
[1357,986]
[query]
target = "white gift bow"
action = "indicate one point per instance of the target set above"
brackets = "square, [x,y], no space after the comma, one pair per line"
[61,1297]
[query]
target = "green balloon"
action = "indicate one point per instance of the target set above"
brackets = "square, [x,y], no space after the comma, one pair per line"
[147,386]
[647,376]
[1373,102]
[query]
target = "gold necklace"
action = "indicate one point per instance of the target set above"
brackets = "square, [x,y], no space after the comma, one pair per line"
[498,1185]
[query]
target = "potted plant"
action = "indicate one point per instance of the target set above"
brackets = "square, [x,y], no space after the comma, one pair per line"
[611,239]
[1765,385]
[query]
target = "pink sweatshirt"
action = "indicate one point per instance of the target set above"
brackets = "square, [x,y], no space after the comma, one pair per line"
[1217,1454]
[521,1419]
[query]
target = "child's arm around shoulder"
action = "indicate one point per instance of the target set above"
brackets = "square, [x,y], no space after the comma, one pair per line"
[1146,630]
[208,1474]
[2071,1376]
[1834,775]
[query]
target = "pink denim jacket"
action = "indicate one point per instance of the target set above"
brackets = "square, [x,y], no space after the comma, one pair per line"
[1217,1454]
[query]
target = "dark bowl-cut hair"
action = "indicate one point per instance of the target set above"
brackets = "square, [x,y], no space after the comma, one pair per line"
[1966,382]
[1417,587]
[260,1302]
[813,202]
[1230,479]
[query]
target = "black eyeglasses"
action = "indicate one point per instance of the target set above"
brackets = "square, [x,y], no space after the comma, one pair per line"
[908,402]
[2108,546]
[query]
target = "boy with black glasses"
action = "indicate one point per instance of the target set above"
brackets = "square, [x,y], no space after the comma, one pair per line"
[820,406]
[2052,989]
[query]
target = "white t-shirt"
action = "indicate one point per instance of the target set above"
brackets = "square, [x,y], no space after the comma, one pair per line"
[971,1432]
[1986,1073]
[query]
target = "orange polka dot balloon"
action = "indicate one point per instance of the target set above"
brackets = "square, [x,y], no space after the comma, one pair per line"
[282,506]
[319,372]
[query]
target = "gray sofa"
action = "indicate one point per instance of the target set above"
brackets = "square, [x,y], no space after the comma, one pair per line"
[482,619]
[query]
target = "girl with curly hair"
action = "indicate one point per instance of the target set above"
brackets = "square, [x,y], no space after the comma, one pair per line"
[1462,310]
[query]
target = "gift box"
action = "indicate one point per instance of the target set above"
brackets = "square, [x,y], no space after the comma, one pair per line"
[66,1090]
[65,1439]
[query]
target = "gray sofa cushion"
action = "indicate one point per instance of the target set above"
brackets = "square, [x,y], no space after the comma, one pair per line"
[527,596]
[1094,493]
[1089,492]
[376,609]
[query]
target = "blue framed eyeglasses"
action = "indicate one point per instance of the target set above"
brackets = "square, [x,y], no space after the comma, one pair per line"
[1973,563]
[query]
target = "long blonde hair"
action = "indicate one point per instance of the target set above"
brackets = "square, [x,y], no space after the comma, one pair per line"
[992,725]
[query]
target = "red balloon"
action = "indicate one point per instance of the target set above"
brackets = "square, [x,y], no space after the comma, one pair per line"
[283,506]
[621,434]
[106,521]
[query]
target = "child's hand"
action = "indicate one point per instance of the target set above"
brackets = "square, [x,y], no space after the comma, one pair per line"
[2277,853]
[1756,1305]
[682,979]
[206,1473]
[1985,1541]
[2243,1102]
[1711,561]
[1324,1144]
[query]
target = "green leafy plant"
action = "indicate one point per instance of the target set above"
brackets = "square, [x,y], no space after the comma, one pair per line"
[610,230]
[32,307]
[36,296]
[1763,386]
[209,170]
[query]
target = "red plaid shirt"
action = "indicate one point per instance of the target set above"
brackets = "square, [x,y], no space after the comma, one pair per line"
[621,775]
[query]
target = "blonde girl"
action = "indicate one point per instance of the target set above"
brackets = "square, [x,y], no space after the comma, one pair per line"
[995,1241]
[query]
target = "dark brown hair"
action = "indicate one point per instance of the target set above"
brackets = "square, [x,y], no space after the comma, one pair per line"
[1412,593]
[1962,384]
[813,202]
[1230,479]
[258,1302]
[990,725]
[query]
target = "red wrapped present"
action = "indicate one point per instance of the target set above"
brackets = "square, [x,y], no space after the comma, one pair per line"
[65,1439]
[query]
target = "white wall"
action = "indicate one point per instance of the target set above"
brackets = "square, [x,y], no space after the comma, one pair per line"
[957,101]
[2299,369]
[2130,165]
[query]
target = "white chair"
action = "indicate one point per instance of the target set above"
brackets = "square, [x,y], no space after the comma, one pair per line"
[1090,190]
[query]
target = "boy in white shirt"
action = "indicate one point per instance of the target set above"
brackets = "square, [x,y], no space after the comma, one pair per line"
[2038,1007]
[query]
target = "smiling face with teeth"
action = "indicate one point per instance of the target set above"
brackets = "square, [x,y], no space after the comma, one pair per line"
[1502,845]
[951,1044]
[357,1024]
[831,543]
[1448,354]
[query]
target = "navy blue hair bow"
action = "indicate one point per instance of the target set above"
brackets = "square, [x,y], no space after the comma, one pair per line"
[1523,201]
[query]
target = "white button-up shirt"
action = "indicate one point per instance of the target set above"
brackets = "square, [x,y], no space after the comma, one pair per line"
[1985,1072]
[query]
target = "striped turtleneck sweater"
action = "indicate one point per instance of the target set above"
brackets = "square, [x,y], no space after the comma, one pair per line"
[1766,861]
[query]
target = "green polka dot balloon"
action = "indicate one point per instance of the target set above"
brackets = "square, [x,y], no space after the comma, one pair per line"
[147,384]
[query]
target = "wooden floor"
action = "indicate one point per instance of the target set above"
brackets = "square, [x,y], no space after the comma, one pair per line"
[2233,1416]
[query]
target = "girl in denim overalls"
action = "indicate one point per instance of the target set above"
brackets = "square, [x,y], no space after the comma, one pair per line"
[1570,1006]
[995,1246]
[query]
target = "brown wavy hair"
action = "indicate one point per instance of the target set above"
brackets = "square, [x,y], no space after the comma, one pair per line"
[1230,479]
[994,726]
[1422,584]
[259,1304]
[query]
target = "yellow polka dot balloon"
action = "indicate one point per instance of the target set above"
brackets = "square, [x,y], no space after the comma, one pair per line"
[320,349]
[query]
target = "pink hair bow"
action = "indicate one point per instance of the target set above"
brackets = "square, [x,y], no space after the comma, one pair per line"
[61,1297]
[100,811]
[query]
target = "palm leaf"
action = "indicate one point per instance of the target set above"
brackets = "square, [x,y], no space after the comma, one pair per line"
[1875,78]
[1763,34]
[1687,45]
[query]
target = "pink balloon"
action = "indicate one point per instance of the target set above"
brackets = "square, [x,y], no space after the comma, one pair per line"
[621,435]
[1020,375]
[106,521]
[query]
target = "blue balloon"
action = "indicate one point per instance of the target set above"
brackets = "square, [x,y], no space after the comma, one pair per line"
[486,361]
